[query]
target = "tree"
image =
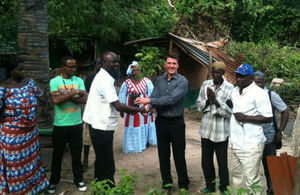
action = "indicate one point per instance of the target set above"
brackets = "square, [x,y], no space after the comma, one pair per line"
[108,21]
[33,49]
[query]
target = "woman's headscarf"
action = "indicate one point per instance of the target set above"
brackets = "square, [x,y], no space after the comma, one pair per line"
[133,65]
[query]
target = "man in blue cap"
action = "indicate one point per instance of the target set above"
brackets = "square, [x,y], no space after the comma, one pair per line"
[251,108]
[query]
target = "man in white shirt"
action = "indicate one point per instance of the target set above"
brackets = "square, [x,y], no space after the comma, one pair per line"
[251,108]
[101,113]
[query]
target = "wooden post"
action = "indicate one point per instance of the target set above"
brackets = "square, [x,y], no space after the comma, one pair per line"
[210,63]
[171,46]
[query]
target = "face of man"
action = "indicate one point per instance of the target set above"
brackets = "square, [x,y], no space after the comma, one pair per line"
[111,64]
[243,80]
[171,66]
[217,74]
[70,68]
[259,81]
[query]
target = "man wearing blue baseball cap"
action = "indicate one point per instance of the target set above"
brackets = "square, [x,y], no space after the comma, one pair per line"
[251,108]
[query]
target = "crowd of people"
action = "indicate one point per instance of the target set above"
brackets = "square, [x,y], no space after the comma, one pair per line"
[241,118]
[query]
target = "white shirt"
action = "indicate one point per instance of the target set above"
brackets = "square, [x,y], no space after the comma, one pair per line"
[99,112]
[253,101]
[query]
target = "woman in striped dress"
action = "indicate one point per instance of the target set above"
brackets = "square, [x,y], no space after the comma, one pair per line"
[139,130]
[21,168]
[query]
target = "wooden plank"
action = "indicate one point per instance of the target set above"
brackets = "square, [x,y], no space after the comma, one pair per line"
[297,180]
[282,172]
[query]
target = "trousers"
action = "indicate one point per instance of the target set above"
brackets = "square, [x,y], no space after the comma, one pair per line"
[171,131]
[208,149]
[102,141]
[63,135]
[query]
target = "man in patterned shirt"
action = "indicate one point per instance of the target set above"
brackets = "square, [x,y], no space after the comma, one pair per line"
[214,129]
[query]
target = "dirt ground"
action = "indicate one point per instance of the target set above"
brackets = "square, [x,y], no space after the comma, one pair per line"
[145,164]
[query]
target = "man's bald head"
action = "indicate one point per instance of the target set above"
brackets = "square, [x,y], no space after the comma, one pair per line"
[109,61]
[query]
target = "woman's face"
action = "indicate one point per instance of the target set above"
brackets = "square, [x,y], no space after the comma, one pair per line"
[18,72]
[136,71]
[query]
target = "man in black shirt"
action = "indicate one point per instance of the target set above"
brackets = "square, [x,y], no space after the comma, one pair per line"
[167,98]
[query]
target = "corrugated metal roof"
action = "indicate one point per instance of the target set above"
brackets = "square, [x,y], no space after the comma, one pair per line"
[196,48]
[199,50]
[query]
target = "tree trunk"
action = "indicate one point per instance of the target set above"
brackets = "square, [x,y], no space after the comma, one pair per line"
[33,48]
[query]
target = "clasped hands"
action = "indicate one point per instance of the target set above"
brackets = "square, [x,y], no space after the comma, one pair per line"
[140,100]
[211,96]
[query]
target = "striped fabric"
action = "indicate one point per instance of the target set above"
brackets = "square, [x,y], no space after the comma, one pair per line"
[21,170]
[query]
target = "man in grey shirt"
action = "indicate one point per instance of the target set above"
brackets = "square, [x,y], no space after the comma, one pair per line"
[270,132]
[167,98]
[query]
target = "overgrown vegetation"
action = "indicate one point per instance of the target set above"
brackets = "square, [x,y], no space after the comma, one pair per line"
[270,58]
[8,20]
[243,20]
[151,62]
[276,62]
[108,21]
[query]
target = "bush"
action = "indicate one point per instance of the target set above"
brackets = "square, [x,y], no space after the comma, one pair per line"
[270,58]
[151,62]
[125,187]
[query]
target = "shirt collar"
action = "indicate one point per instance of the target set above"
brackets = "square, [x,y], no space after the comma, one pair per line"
[106,73]
[175,76]
[248,87]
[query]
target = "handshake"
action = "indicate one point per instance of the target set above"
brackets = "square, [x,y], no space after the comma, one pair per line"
[146,101]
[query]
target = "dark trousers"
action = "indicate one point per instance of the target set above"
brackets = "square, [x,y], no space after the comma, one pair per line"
[269,150]
[103,146]
[208,149]
[172,131]
[60,137]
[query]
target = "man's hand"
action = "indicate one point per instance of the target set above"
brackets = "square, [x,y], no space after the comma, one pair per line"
[240,116]
[140,100]
[278,137]
[210,94]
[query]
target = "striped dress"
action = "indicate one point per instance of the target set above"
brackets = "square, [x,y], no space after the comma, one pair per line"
[21,170]
[138,130]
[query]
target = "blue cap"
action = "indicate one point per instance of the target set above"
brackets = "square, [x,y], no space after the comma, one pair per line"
[245,69]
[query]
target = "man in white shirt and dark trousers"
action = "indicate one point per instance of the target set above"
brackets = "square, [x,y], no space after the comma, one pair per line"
[272,133]
[101,113]
[251,108]
[214,127]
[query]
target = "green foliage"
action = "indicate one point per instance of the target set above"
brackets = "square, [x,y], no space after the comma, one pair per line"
[124,187]
[107,20]
[289,92]
[270,58]
[247,20]
[8,20]
[151,61]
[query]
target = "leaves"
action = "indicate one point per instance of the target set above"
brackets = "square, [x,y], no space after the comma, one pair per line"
[150,61]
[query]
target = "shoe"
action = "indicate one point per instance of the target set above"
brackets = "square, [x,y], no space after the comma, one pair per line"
[81,187]
[207,190]
[51,189]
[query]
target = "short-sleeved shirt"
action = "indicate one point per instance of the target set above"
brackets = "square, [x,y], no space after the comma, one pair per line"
[67,113]
[99,110]
[278,104]
[253,101]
